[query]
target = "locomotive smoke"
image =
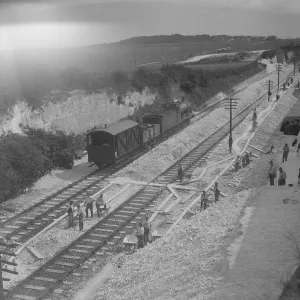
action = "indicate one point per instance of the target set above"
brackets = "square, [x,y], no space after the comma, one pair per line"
[94,284]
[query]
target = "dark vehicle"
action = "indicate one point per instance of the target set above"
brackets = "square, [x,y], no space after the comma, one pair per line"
[106,146]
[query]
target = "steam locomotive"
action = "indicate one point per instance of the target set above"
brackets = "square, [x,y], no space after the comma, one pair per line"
[108,145]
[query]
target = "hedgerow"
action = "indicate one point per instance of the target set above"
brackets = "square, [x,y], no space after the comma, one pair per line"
[26,158]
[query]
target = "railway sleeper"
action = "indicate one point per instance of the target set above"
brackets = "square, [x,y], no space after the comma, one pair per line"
[79,250]
[104,229]
[47,279]
[56,271]
[126,212]
[23,297]
[71,257]
[91,240]
[35,287]
[84,246]
[103,236]
[65,264]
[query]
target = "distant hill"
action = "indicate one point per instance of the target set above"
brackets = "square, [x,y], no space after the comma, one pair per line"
[30,74]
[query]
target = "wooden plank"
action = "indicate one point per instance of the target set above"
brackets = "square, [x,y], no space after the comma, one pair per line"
[35,253]
[257,149]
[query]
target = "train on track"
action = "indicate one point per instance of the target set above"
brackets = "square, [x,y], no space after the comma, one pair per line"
[106,146]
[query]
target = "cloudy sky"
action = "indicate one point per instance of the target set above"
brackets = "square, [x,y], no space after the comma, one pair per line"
[60,23]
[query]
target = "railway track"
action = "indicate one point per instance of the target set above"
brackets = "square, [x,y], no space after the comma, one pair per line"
[29,222]
[111,230]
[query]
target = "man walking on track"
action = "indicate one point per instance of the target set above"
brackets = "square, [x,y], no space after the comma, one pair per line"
[285,153]
[272,173]
[80,217]
[88,205]
[204,200]
[71,214]
[180,173]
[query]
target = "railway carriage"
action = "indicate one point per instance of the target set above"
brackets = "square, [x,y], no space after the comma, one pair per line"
[106,146]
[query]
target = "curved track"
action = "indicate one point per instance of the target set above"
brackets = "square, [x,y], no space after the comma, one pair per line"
[29,222]
[111,230]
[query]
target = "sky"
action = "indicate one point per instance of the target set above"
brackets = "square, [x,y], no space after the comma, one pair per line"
[63,23]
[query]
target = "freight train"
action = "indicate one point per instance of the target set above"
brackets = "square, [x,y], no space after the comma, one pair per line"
[108,145]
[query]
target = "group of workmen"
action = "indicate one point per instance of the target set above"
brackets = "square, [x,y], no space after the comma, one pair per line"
[88,203]
[205,196]
[142,232]
[282,174]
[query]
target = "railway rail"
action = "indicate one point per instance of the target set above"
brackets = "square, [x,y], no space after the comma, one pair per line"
[111,230]
[32,220]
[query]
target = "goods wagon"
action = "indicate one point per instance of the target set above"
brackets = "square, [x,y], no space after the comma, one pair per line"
[173,117]
[106,146]
[150,133]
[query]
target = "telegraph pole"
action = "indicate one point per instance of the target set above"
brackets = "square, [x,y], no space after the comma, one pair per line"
[3,251]
[279,68]
[231,104]
[269,85]
[294,59]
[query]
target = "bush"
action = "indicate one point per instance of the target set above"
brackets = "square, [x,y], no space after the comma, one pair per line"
[21,164]
[60,148]
[268,54]
[26,158]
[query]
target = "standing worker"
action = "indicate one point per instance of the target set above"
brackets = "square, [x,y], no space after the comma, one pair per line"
[282,177]
[80,217]
[88,205]
[100,204]
[147,227]
[139,232]
[247,159]
[71,214]
[285,153]
[203,200]
[272,173]
[180,173]
[217,192]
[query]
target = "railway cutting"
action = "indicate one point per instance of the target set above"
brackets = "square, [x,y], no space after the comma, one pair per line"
[109,232]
